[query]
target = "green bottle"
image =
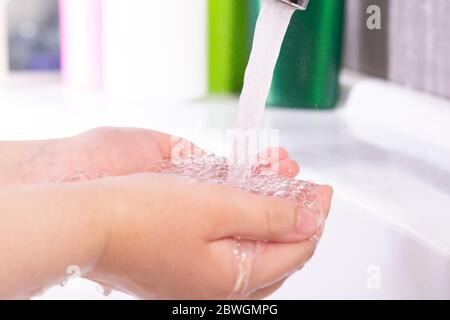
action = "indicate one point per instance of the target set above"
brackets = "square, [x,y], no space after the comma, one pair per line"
[307,72]
[228,45]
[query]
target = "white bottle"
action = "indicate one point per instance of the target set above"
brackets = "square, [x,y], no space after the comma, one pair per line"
[155,50]
[81,44]
[4,69]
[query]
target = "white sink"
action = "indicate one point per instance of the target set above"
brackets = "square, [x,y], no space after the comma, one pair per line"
[363,257]
[383,151]
[387,154]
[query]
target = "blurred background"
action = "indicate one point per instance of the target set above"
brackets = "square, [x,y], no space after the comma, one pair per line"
[33,35]
[360,96]
[142,49]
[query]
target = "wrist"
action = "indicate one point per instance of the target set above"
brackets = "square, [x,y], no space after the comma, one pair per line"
[97,199]
[47,232]
[16,159]
[33,161]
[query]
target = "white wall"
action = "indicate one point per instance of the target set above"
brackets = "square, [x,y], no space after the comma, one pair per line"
[155,49]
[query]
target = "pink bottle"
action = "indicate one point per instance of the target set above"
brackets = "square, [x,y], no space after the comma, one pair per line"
[3,42]
[81,43]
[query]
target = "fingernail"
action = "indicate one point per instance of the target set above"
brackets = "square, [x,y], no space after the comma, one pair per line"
[306,222]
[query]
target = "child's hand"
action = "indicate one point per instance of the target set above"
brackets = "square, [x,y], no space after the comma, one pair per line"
[152,235]
[173,238]
[106,152]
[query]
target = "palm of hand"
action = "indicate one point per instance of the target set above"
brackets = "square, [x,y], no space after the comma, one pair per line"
[107,152]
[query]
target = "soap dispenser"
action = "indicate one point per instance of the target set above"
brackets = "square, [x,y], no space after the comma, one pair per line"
[307,72]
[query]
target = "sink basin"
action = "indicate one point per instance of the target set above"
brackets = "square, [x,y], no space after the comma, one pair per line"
[384,152]
[363,257]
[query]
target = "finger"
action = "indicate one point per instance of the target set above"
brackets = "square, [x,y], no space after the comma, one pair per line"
[288,168]
[253,217]
[267,291]
[275,261]
[275,154]
[325,195]
[285,167]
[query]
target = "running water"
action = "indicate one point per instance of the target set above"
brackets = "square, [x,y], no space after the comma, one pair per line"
[262,180]
[271,27]
[241,170]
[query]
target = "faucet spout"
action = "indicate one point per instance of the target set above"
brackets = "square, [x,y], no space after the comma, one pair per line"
[299,4]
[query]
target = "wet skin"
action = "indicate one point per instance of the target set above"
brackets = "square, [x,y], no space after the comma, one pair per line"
[151,235]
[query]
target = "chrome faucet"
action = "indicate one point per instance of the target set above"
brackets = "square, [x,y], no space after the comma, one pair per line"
[299,4]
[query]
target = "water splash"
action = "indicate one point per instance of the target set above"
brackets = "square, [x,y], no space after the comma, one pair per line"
[271,27]
[261,181]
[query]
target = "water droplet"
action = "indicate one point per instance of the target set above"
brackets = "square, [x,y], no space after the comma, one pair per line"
[104,289]
[216,170]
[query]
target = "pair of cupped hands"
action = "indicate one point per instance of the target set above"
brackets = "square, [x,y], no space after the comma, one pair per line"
[162,236]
